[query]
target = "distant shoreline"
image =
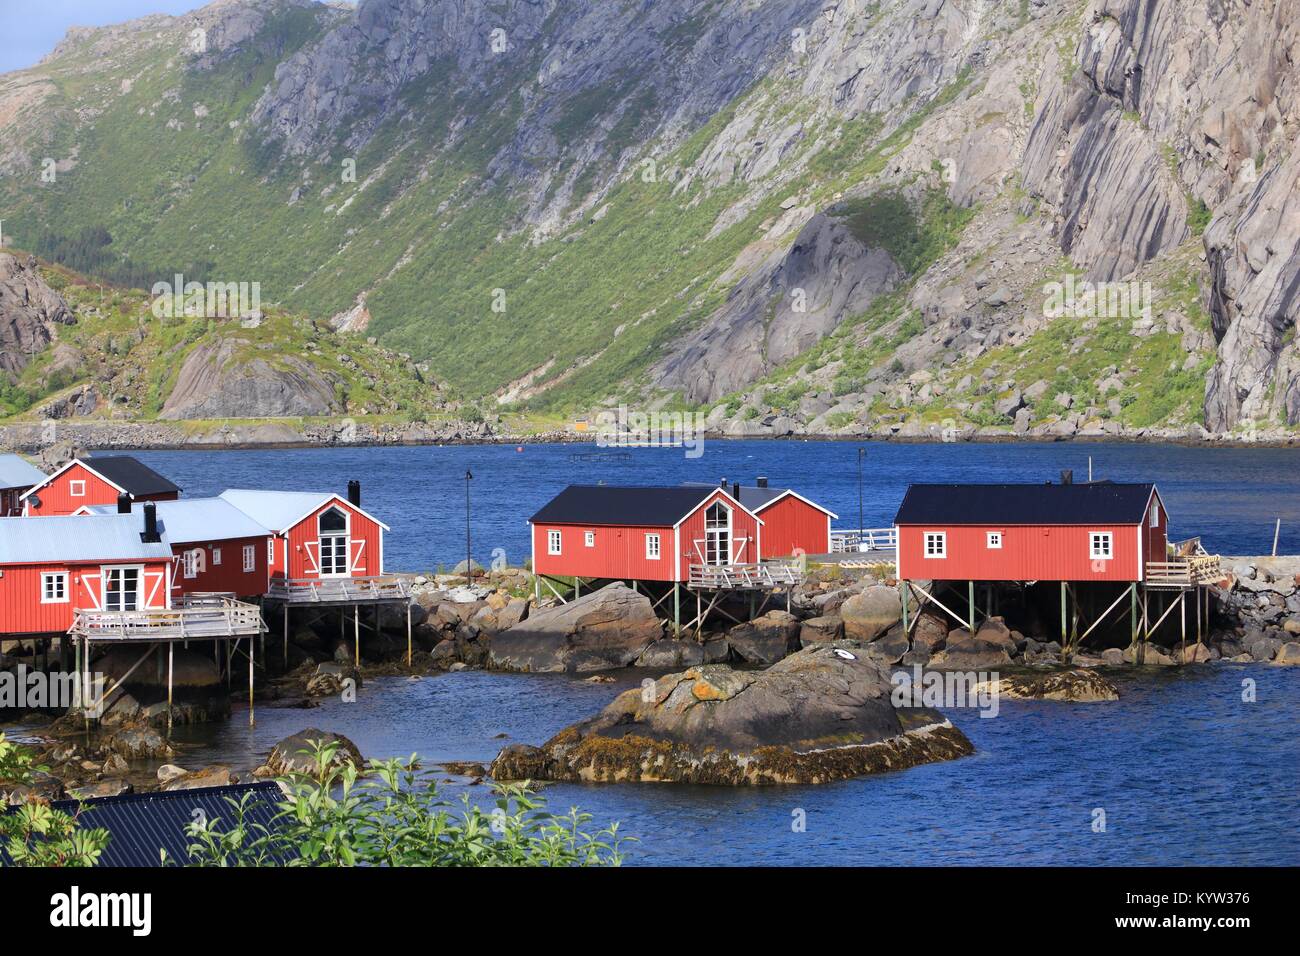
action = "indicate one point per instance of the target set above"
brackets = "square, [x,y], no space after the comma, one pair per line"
[285,434]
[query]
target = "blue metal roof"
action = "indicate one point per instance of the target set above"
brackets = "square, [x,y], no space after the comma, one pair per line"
[78,538]
[197,519]
[142,825]
[281,510]
[15,472]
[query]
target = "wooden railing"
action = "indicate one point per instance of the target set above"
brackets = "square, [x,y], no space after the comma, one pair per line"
[740,576]
[1184,572]
[216,617]
[337,590]
[864,540]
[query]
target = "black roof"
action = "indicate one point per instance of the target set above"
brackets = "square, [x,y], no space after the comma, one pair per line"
[622,505]
[142,824]
[1099,502]
[133,475]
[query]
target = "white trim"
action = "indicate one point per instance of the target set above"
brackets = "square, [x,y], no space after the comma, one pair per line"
[75,461]
[216,557]
[325,502]
[73,483]
[250,558]
[792,492]
[656,538]
[705,500]
[66,583]
[1094,554]
[993,540]
[554,542]
[103,583]
[588,539]
[345,534]
[943,544]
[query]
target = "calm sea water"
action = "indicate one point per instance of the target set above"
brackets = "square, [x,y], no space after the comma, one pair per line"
[1183,769]
[1230,496]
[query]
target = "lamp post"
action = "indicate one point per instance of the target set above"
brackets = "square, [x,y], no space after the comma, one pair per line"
[862,453]
[469,476]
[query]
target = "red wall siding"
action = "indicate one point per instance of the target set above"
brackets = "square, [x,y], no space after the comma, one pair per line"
[1154,539]
[229,576]
[57,498]
[21,610]
[618,552]
[365,536]
[792,525]
[1028,553]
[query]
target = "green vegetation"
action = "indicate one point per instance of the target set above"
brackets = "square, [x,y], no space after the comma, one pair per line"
[394,817]
[34,834]
[886,220]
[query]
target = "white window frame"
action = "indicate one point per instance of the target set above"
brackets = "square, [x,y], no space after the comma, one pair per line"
[554,542]
[216,557]
[653,547]
[1155,514]
[589,539]
[345,547]
[941,537]
[52,577]
[270,551]
[190,563]
[1106,553]
[77,488]
[994,540]
[250,558]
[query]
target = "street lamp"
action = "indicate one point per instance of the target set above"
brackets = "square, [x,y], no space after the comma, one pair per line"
[469,476]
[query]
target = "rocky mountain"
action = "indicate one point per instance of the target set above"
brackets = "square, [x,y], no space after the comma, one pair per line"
[29,310]
[1042,217]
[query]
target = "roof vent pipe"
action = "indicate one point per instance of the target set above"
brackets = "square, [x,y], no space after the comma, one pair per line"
[150,535]
[1067,476]
[762,481]
[354,493]
[723,483]
[124,504]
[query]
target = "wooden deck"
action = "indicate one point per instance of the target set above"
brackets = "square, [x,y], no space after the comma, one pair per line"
[765,576]
[1186,572]
[215,617]
[338,591]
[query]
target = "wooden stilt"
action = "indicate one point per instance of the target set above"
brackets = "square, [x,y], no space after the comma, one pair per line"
[171,665]
[905,595]
[1065,641]
[250,682]
[677,609]
[85,685]
[408,633]
[1133,614]
[286,635]
[356,629]
[1182,622]
[970,597]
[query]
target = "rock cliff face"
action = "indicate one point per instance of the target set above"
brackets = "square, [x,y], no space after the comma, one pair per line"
[223,381]
[29,312]
[656,190]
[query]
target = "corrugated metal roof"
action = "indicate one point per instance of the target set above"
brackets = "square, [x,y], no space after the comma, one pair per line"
[141,825]
[197,519]
[75,538]
[622,505]
[16,472]
[1012,504]
[280,510]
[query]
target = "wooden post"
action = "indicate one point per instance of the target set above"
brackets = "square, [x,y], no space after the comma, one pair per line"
[903,592]
[1064,633]
[1133,614]
[1277,529]
[251,645]
[286,635]
[81,690]
[537,589]
[1146,632]
[577,588]
[408,633]
[356,632]
[171,646]
[970,596]
[1182,621]
[677,609]
[85,684]
[1197,592]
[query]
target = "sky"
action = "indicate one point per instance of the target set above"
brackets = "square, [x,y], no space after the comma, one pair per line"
[33,27]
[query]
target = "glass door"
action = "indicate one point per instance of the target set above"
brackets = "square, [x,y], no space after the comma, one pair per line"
[122,589]
[717,534]
[334,544]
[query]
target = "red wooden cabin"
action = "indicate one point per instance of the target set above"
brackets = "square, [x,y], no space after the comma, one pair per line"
[217,547]
[87,482]
[792,524]
[1020,532]
[314,536]
[53,567]
[642,533]
[17,477]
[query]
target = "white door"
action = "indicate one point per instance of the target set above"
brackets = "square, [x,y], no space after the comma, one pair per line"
[717,534]
[334,545]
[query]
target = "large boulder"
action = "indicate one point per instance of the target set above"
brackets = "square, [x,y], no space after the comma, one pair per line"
[821,630]
[825,713]
[296,754]
[766,639]
[1077,686]
[961,652]
[1288,653]
[605,629]
[930,632]
[139,743]
[671,652]
[871,613]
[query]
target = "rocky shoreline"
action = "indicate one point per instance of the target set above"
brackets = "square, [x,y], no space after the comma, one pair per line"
[35,437]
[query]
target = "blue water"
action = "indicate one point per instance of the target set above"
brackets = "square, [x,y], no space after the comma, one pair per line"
[1184,770]
[1229,496]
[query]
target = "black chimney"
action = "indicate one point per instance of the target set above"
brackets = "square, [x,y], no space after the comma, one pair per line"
[761,481]
[150,534]
[124,504]
[1067,476]
[735,491]
[354,493]
[723,484]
